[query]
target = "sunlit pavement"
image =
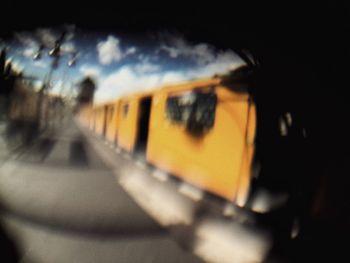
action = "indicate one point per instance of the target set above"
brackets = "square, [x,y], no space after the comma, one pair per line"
[61,203]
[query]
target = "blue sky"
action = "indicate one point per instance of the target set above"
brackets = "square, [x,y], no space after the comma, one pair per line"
[120,64]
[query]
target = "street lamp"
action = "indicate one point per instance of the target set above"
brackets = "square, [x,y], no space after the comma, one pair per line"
[73,59]
[37,55]
[55,52]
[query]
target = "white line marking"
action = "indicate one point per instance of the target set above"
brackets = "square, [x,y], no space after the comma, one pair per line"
[160,175]
[191,191]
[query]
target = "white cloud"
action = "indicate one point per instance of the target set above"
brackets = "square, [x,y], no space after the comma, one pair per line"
[146,67]
[88,70]
[209,60]
[40,64]
[130,51]
[173,77]
[31,46]
[127,80]
[173,52]
[110,51]
[70,29]
[29,52]
[47,36]
[68,47]
[124,81]
[201,53]
[221,64]
[26,39]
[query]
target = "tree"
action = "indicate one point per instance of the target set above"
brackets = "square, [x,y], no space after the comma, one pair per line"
[7,76]
[2,61]
[86,90]
[7,83]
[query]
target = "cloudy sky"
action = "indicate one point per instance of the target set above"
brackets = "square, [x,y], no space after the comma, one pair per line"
[120,64]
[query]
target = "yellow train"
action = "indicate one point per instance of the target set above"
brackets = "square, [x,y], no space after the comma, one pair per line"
[201,132]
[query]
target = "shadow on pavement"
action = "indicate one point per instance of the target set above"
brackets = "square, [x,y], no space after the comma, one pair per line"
[77,153]
[45,146]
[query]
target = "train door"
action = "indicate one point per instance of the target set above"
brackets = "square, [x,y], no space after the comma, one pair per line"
[143,123]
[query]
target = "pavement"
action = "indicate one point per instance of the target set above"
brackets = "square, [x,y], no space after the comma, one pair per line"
[61,202]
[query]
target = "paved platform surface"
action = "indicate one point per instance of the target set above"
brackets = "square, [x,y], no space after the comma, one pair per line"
[61,203]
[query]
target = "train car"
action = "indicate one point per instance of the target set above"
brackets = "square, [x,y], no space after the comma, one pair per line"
[200,131]
[203,132]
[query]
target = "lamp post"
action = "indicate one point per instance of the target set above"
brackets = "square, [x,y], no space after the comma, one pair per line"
[56,53]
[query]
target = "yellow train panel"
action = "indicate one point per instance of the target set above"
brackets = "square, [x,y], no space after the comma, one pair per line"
[218,161]
[112,122]
[127,127]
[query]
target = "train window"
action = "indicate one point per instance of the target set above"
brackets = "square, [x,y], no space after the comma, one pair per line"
[195,110]
[125,109]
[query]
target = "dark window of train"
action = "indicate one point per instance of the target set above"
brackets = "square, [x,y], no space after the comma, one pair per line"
[173,109]
[195,107]
[125,110]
